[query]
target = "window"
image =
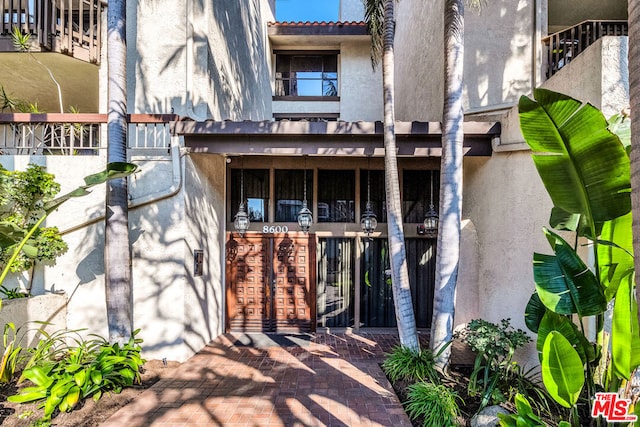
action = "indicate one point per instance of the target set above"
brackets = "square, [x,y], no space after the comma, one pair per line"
[377,193]
[336,196]
[416,189]
[256,192]
[307,74]
[289,189]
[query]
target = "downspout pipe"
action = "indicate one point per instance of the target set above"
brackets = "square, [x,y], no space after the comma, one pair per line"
[176,186]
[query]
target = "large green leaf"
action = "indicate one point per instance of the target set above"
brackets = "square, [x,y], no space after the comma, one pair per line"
[583,165]
[10,234]
[625,338]
[615,253]
[534,312]
[552,322]
[564,283]
[620,124]
[562,370]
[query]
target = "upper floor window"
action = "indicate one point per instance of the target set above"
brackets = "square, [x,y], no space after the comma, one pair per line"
[307,74]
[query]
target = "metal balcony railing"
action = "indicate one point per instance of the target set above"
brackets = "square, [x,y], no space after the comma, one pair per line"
[563,46]
[78,134]
[71,27]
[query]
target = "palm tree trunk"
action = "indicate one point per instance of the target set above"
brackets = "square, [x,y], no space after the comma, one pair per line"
[405,317]
[634,95]
[117,252]
[448,250]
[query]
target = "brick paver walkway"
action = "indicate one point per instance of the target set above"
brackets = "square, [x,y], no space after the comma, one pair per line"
[323,379]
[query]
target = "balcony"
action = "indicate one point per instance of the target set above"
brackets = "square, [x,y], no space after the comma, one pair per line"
[79,134]
[562,47]
[71,27]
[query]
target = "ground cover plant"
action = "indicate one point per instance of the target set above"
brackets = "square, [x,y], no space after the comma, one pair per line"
[61,376]
[453,397]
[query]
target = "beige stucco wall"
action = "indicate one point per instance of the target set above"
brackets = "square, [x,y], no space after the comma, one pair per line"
[360,84]
[209,60]
[24,312]
[204,218]
[498,56]
[505,199]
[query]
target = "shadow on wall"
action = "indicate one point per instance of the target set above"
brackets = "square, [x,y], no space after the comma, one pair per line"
[497,78]
[204,319]
[230,66]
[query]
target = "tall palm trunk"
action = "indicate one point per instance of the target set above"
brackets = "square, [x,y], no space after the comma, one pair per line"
[117,253]
[399,273]
[634,95]
[448,250]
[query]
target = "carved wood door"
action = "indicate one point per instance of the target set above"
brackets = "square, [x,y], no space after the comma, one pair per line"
[270,282]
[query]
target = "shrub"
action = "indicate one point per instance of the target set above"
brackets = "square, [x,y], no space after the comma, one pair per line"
[494,346]
[435,403]
[406,364]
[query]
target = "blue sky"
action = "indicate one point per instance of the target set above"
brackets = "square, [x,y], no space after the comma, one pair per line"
[307,10]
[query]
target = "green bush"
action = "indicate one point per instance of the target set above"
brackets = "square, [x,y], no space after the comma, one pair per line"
[62,377]
[406,364]
[494,346]
[435,403]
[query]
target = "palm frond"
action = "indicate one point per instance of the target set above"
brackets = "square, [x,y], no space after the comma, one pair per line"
[374,17]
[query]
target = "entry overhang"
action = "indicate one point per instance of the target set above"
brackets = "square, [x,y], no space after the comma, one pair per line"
[327,138]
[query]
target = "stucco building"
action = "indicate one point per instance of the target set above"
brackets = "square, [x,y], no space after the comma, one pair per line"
[228,105]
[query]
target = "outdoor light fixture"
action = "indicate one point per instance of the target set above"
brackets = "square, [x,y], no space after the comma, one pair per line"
[241,222]
[305,217]
[431,217]
[368,220]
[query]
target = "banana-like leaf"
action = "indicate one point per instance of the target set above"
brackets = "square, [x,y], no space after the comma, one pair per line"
[615,260]
[562,370]
[552,322]
[583,165]
[10,234]
[563,220]
[625,338]
[113,170]
[620,124]
[534,312]
[564,283]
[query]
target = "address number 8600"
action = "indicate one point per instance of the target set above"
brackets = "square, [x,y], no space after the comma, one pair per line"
[275,229]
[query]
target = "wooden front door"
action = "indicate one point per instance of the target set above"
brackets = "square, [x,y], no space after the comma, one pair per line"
[270,282]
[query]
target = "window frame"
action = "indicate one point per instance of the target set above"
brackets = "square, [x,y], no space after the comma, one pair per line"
[279,81]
